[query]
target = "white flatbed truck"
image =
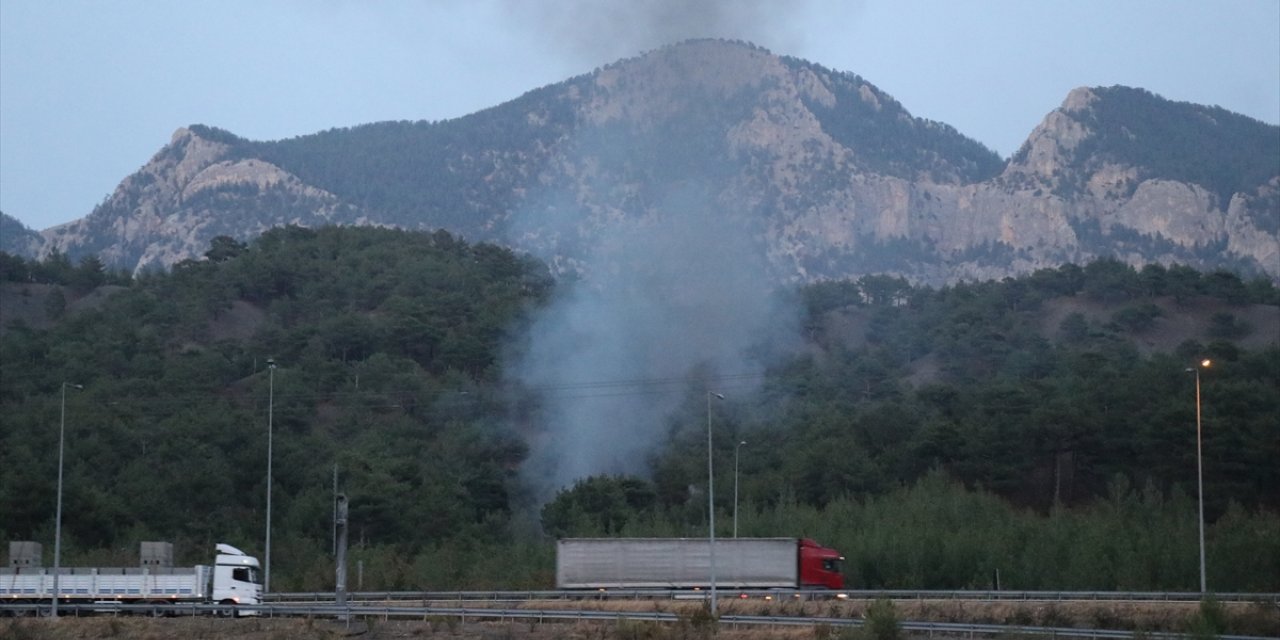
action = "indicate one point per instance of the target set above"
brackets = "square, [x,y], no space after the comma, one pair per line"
[233,579]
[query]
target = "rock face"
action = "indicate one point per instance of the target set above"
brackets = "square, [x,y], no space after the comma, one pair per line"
[190,192]
[831,177]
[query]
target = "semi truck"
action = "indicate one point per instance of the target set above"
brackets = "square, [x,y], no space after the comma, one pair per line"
[232,579]
[685,563]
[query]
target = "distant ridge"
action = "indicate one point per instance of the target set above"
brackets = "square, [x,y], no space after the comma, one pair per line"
[832,177]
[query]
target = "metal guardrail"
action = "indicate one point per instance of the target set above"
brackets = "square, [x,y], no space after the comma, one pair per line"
[777,594]
[350,611]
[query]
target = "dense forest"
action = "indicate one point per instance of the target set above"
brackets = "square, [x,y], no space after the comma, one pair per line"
[1042,427]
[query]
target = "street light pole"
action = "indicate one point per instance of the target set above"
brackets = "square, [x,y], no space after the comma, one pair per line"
[711,504]
[57,518]
[1206,363]
[736,451]
[271,393]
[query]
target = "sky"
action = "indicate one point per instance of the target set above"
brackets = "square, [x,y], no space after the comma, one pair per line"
[90,90]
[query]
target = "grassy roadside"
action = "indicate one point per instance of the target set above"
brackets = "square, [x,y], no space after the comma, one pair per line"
[1200,619]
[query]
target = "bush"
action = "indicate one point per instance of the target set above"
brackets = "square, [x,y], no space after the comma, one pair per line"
[1211,620]
[1225,325]
[882,621]
[1137,318]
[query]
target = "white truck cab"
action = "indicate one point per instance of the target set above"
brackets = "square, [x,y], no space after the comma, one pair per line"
[236,577]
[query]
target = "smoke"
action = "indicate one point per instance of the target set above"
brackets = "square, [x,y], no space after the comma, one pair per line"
[674,288]
[601,31]
[678,293]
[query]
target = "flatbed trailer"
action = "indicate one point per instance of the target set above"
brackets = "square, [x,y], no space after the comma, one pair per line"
[232,579]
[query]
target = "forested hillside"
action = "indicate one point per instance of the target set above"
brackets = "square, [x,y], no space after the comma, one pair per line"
[1224,152]
[1043,426]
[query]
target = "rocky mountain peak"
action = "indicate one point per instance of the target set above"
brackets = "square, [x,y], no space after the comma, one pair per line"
[172,207]
[760,100]
[1078,99]
[826,175]
[1048,150]
[670,78]
[188,153]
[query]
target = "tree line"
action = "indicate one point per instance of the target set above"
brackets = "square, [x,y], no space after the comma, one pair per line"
[955,436]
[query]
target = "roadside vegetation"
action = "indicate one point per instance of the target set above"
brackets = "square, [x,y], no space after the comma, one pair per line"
[873,620]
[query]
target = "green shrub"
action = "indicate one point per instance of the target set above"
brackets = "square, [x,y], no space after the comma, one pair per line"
[1211,619]
[882,621]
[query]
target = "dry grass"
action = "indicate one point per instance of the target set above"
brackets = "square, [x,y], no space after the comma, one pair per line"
[1256,619]
[161,629]
[434,629]
[1261,619]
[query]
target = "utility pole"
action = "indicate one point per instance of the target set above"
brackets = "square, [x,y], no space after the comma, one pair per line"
[334,552]
[711,504]
[271,398]
[340,563]
[57,526]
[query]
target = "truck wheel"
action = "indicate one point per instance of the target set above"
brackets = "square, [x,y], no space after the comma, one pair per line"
[228,610]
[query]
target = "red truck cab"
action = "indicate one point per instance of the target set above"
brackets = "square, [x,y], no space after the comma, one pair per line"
[820,566]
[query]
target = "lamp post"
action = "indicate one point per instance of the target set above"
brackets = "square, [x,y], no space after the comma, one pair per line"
[57,518]
[736,451]
[271,393]
[711,504]
[1204,364]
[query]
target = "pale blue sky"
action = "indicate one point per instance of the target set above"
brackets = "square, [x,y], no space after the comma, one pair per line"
[90,90]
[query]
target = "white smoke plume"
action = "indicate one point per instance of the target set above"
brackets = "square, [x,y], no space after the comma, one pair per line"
[679,290]
[683,291]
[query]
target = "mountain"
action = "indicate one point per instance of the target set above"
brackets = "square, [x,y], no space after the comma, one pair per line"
[821,173]
[16,238]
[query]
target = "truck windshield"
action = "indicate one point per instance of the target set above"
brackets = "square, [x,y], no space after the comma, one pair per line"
[246,574]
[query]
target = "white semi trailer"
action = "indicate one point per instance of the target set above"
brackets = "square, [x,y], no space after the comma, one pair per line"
[232,579]
[685,563]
